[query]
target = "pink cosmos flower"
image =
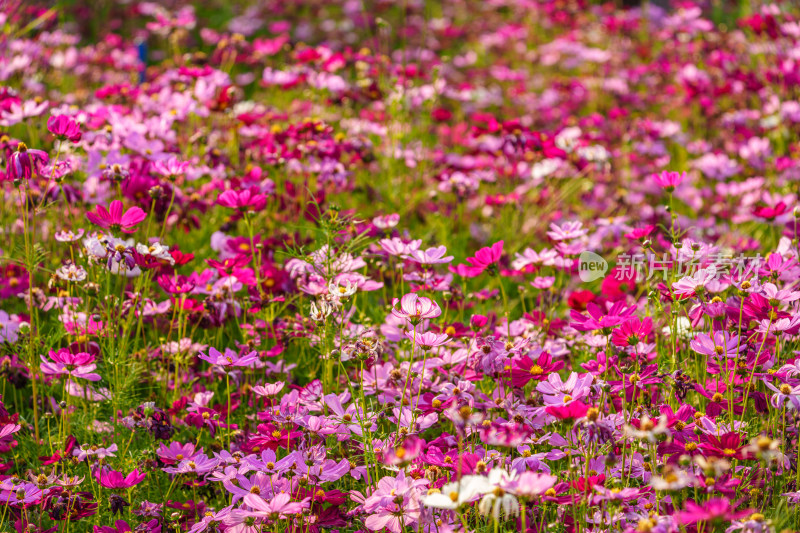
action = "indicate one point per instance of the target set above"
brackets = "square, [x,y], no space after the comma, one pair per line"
[268,389]
[415,308]
[785,393]
[176,284]
[775,296]
[429,339]
[567,231]
[431,256]
[278,507]
[485,258]
[115,219]
[386,221]
[175,452]
[688,285]
[111,479]
[632,332]
[668,180]
[770,212]
[171,167]
[532,484]
[245,200]
[394,505]
[64,128]
[599,318]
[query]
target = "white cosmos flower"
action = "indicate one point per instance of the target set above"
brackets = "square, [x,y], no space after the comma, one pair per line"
[339,292]
[453,495]
[544,168]
[71,272]
[683,328]
[673,479]
[155,249]
[320,310]
[648,429]
[496,497]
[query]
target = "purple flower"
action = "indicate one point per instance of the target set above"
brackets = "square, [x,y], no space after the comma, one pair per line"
[229,358]
[199,464]
[23,163]
[723,344]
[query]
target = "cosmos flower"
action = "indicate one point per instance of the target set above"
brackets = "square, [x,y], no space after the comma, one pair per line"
[709,510]
[77,365]
[723,344]
[25,162]
[669,180]
[64,128]
[415,308]
[111,479]
[632,332]
[484,259]
[229,358]
[244,200]
[431,256]
[429,339]
[114,219]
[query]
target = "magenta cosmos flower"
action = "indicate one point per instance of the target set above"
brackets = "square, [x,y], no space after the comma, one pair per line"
[712,509]
[632,332]
[63,363]
[484,259]
[669,180]
[114,219]
[415,308]
[64,128]
[111,479]
[246,200]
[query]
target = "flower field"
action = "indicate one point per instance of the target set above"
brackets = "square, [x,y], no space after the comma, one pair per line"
[399,266]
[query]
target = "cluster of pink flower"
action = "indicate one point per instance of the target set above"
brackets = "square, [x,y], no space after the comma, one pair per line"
[346,295]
